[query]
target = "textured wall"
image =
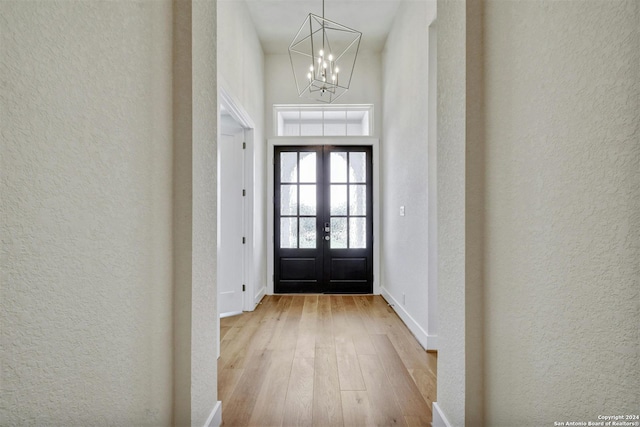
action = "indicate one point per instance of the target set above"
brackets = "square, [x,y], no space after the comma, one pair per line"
[451,208]
[404,160]
[86,213]
[563,210]
[241,72]
[195,210]
[205,130]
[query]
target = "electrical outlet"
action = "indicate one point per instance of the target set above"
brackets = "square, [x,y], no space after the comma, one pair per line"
[401,210]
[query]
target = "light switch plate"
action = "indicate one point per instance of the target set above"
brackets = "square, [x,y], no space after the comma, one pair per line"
[401,210]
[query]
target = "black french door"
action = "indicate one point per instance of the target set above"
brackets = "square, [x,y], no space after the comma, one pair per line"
[323,219]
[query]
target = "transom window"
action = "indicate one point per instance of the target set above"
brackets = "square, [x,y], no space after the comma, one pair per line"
[318,120]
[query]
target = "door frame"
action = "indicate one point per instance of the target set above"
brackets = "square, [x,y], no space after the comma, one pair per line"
[374,143]
[239,114]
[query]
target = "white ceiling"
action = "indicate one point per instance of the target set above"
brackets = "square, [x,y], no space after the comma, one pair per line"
[278,21]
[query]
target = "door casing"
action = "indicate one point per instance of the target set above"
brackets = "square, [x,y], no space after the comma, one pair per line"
[348,141]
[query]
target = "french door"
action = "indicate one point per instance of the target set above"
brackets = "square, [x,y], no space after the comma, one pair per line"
[323,219]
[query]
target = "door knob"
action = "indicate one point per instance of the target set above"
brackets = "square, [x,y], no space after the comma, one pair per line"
[327,237]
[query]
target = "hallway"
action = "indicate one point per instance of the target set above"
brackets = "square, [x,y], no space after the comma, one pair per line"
[324,360]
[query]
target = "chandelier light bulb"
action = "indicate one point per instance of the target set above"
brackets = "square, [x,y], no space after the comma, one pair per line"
[333,77]
[324,65]
[311,68]
[309,76]
[337,70]
[330,57]
[321,52]
[319,60]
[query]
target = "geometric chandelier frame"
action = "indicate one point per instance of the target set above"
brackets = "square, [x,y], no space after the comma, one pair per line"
[323,55]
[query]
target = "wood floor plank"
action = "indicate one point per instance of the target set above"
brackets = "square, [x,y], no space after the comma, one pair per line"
[298,410]
[306,341]
[356,409]
[327,401]
[361,339]
[409,397]
[239,407]
[288,337]
[349,373]
[426,383]
[227,381]
[269,406]
[384,406]
[324,327]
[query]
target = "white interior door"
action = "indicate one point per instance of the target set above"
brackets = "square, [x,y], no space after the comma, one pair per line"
[231,219]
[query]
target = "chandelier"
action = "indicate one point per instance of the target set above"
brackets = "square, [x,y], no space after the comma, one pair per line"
[323,54]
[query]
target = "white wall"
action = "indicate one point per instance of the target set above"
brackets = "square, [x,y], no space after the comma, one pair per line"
[204,318]
[241,73]
[86,226]
[459,212]
[563,210]
[539,217]
[405,165]
[366,87]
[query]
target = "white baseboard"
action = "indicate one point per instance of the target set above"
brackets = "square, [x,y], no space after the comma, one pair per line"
[229,314]
[439,419]
[259,296]
[215,418]
[428,342]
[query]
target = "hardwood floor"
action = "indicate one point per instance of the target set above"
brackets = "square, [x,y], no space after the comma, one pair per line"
[323,360]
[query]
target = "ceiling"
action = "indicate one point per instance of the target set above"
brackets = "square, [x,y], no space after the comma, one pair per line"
[278,21]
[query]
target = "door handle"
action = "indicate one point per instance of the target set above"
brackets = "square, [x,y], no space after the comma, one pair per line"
[327,237]
[327,228]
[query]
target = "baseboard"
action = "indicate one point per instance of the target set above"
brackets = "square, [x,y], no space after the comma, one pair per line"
[229,314]
[428,342]
[439,419]
[215,418]
[259,296]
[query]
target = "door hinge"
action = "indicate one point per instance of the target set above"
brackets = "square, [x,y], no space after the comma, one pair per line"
[244,288]
[244,240]
[244,192]
[244,145]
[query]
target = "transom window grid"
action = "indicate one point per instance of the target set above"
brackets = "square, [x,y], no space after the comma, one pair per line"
[313,120]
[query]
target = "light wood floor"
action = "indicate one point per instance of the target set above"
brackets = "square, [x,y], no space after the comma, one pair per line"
[323,360]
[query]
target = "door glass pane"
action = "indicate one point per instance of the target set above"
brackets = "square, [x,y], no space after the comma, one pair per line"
[338,199]
[338,233]
[338,167]
[288,200]
[357,233]
[308,200]
[308,232]
[288,167]
[288,232]
[357,200]
[307,167]
[357,167]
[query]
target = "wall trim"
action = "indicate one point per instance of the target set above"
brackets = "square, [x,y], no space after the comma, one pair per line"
[215,417]
[261,293]
[428,342]
[439,419]
[229,314]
